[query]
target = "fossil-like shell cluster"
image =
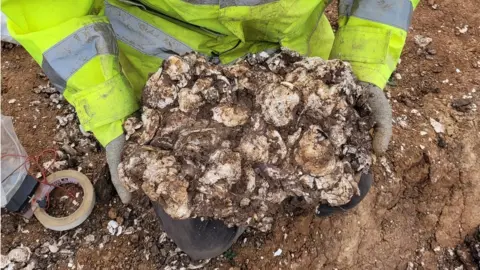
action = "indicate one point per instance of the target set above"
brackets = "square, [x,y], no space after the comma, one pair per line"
[233,142]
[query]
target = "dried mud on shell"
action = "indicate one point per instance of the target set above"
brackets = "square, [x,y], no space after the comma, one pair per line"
[233,142]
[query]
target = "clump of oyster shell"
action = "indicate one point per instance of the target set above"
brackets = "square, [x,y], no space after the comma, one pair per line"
[233,142]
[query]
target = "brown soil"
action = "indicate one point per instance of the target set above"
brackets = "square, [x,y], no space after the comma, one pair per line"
[64,200]
[424,203]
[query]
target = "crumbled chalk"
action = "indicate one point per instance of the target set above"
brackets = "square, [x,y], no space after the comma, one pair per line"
[416,112]
[53,248]
[112,227]
[422,41]
[90,238]
[437,126]
[119,230]
[129,230]
[463,29]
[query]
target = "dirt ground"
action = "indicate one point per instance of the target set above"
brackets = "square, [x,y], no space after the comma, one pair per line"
[422,213]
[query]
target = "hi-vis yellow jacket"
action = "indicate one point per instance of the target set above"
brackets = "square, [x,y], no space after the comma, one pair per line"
[99,54]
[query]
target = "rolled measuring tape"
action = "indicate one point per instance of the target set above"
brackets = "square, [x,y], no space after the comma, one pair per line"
[82,212]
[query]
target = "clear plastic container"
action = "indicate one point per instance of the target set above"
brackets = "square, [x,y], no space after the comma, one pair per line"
[13,167]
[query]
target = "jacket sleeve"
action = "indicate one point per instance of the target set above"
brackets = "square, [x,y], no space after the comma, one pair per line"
[371,36]
[77,50]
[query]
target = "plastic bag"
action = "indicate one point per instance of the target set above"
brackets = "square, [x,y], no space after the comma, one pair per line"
[13,161]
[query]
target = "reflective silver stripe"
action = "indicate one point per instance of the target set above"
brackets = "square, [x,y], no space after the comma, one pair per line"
[203,2]
[230,3]
[397,13]
[143,36]
[133,3]
[70,54]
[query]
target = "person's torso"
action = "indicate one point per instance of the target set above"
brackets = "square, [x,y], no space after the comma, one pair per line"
[228,29]
[226,25]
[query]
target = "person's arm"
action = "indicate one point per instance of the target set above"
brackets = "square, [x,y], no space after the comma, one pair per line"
[77,50]
[371,36]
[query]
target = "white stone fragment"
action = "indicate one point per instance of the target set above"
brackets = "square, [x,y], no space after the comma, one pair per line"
[20,254]
[89,238]
[463,29]
[112,227]
[422,41]
[437,126]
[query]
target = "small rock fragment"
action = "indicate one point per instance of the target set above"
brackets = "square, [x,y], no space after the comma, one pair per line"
[437,126]
[463,29]
[89,238]
[162,238]
[69,150]
[64,120]
[463,104]
[245,202]
[422,41]
[20,254]
[129,231]
[112,213]
[119,230]
[53,248]
[119,220]
[277,253]
[112,227]
[30,266]
[4,261]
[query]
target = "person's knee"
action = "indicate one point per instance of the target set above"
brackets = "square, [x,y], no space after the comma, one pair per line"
[199,239]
